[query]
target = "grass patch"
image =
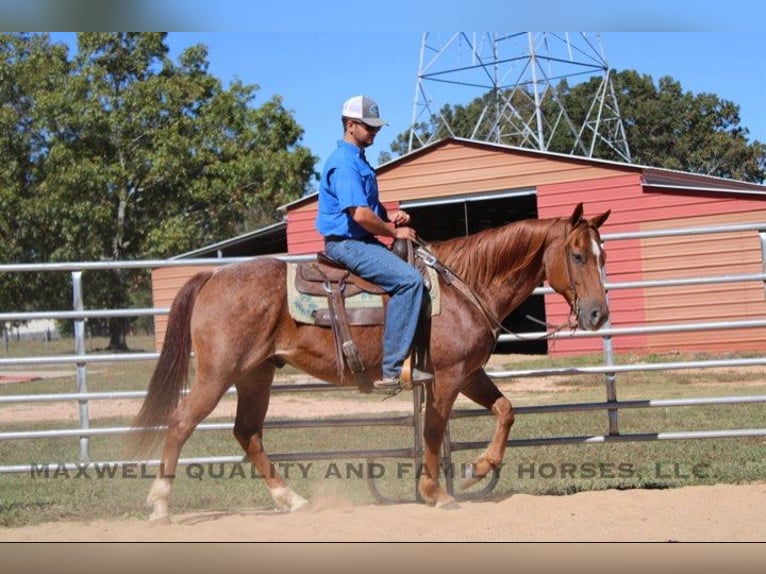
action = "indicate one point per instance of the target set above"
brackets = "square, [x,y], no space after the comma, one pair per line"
[539,470]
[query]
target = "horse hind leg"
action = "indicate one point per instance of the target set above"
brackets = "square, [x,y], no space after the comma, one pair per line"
[252,403]
[191,411]
[483,391]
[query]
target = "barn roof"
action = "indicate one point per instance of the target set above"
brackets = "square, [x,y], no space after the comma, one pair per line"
[264,241]
[272,238]
[661,178]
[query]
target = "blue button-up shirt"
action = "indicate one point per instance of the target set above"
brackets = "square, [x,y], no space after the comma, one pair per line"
[347,181]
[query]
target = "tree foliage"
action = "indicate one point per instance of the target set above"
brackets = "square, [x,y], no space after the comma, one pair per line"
[664,125]
[121,153]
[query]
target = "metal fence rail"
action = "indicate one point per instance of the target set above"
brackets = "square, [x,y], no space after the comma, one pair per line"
[608,368]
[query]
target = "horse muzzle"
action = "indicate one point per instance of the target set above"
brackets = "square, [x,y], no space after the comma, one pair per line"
[591,316]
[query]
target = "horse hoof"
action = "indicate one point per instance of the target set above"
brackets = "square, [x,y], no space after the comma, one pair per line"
[469,482]
[288,500]
[299,503]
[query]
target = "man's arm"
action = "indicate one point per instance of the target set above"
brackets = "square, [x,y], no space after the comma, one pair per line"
[368,220]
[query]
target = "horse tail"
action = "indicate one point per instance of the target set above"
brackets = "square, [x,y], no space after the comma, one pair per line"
[171,373]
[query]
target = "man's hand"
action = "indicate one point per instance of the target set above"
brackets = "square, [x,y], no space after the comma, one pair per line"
[369,221]
[400,218]
[405,233]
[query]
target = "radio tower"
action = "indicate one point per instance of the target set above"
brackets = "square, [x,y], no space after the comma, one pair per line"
[512,81]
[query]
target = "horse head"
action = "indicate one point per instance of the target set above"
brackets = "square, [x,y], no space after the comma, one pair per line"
[575,268]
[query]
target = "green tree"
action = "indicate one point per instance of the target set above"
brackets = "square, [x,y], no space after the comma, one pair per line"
[668,127]
[144,157]
[30,69]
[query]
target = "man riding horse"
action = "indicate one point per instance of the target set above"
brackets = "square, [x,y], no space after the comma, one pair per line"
[350,217]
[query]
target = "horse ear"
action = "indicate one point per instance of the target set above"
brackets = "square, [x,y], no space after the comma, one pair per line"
[576,215]
[600,219]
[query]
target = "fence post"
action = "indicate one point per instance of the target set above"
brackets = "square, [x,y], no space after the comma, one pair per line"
[610,379]
[82,375]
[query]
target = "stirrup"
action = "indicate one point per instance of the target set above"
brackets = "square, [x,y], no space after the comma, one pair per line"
[414,376]
[391,386]
[419,376]
[394,385]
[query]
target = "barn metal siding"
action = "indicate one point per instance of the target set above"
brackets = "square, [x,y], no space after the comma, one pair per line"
[459,168]
[166,282]
[302,236]
[699,256]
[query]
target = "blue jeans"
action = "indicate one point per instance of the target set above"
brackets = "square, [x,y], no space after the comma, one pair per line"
[371,260]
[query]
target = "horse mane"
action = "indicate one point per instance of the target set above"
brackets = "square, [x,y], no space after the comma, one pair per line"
[480,258]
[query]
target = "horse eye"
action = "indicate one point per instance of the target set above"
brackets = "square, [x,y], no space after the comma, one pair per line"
[578,257]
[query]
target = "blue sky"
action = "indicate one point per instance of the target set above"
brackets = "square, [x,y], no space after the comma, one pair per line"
[314,73]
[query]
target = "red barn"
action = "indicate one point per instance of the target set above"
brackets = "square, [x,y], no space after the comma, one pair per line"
[456,187]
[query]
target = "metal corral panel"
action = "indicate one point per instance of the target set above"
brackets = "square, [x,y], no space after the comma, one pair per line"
[166,281]
[700,256]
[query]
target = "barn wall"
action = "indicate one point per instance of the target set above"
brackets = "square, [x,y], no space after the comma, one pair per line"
[302,236]
[701,256]
[166,281]
[637,209]
[458,168]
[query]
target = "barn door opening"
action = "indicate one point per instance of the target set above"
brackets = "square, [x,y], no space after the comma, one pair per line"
[461,216]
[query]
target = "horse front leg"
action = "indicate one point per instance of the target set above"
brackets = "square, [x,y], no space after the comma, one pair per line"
[483,391]
[439,401]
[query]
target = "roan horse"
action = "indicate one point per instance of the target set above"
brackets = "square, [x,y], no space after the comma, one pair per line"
[237,322]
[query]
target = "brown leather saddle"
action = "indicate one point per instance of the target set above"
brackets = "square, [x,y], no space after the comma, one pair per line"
[312,275]
[326,277]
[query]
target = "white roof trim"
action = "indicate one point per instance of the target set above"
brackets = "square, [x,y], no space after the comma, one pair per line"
[708,189]
[467,198]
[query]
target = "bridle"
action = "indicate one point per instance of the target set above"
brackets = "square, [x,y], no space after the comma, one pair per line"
[574,304]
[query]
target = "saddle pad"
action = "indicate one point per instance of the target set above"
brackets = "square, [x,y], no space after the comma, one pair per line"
[302,306]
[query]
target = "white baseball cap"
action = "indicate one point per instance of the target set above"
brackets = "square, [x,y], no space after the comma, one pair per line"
[363,109]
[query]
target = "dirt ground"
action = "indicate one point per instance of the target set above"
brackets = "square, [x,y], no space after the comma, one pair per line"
[699,513]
